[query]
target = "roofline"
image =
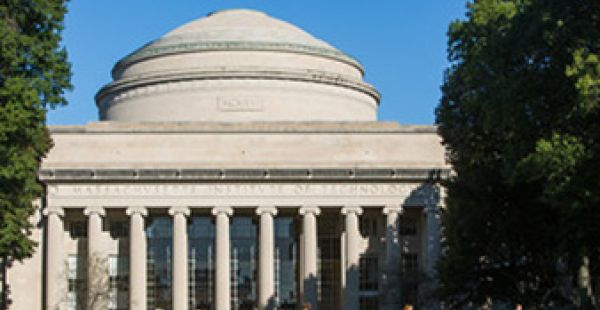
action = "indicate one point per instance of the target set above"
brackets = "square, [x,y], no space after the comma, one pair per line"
[107,127]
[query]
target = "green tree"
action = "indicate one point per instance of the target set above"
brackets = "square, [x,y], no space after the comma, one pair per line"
[34,73]
[520,118]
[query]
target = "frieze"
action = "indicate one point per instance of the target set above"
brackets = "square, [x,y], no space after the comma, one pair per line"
[229,190]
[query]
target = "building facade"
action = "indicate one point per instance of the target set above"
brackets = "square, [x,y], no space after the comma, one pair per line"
[238,164]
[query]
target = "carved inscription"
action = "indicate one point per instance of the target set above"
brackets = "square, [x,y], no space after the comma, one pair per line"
[239,104]
[229,190]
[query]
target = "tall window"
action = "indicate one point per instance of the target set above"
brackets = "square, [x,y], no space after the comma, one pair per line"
[408,226]
[76,277]
[118,272]
[369,303]
[201,232]
[368,225]
[329,227]
[243,263]
[77,229]
[369,282]
[369,273]
[160,276]
[410,293]
[119,229]
[410,263]
[285,263]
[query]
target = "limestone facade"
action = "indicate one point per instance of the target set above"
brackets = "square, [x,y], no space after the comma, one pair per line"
[237,164]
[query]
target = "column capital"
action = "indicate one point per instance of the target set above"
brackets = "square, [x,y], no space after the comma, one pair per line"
[266,210]
[179,210]
[222,210]
[352,210]
[137,209]
[393,209]
[94,209]
[54,210]
[310,209]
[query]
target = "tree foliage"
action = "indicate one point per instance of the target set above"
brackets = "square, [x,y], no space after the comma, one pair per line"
[34,73]
[520,117]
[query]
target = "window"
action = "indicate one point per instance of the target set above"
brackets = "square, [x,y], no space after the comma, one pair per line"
[76,294]
[410,262]
[408,226]
[369,273]
[159,234]
[285,263]
[243,231]
[119,229]
[368,226]
[369,303]
[77,229]
[201,232]
[118,271]
[410,293]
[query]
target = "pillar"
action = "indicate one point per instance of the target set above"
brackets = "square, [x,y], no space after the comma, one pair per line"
[392,281]
[353,238]
[222,258]
[137,258]
[97,260]
[266,261]
[180,257]
[310,268]
[55,261]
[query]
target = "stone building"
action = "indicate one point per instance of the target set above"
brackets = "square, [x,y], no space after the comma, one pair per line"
[238,164]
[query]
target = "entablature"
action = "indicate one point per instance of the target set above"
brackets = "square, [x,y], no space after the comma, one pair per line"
[305,174]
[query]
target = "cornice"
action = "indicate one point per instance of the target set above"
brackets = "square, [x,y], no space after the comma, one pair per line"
[157,50]
[317,174]
[168,82]
[105,127]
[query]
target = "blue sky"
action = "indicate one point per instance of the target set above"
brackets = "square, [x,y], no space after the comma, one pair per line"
[401,43]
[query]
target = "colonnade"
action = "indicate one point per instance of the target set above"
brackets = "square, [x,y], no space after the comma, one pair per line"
[266,275]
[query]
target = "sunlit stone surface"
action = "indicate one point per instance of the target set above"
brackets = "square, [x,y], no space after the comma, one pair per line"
[237,164]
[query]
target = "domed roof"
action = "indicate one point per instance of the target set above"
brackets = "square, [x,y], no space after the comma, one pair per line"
[237,65]
[242,25]
[236,29]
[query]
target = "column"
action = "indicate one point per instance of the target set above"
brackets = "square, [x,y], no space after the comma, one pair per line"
[97,260]
[393,254]
[222,258]
[55,261]
[180,257]
[310,268]
[137,258]
[353,238]
[266,262]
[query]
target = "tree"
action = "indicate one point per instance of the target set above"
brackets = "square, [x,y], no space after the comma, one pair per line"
[520,118]
[34,74]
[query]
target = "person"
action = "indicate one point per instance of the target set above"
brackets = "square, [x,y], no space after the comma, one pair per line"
[408,307]
[306,306]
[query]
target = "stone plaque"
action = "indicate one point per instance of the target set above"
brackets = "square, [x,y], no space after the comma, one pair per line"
[239,104]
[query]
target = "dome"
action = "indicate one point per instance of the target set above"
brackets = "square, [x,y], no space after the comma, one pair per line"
[237,65]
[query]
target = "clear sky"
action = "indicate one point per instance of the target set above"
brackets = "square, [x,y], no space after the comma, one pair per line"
[401,43]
